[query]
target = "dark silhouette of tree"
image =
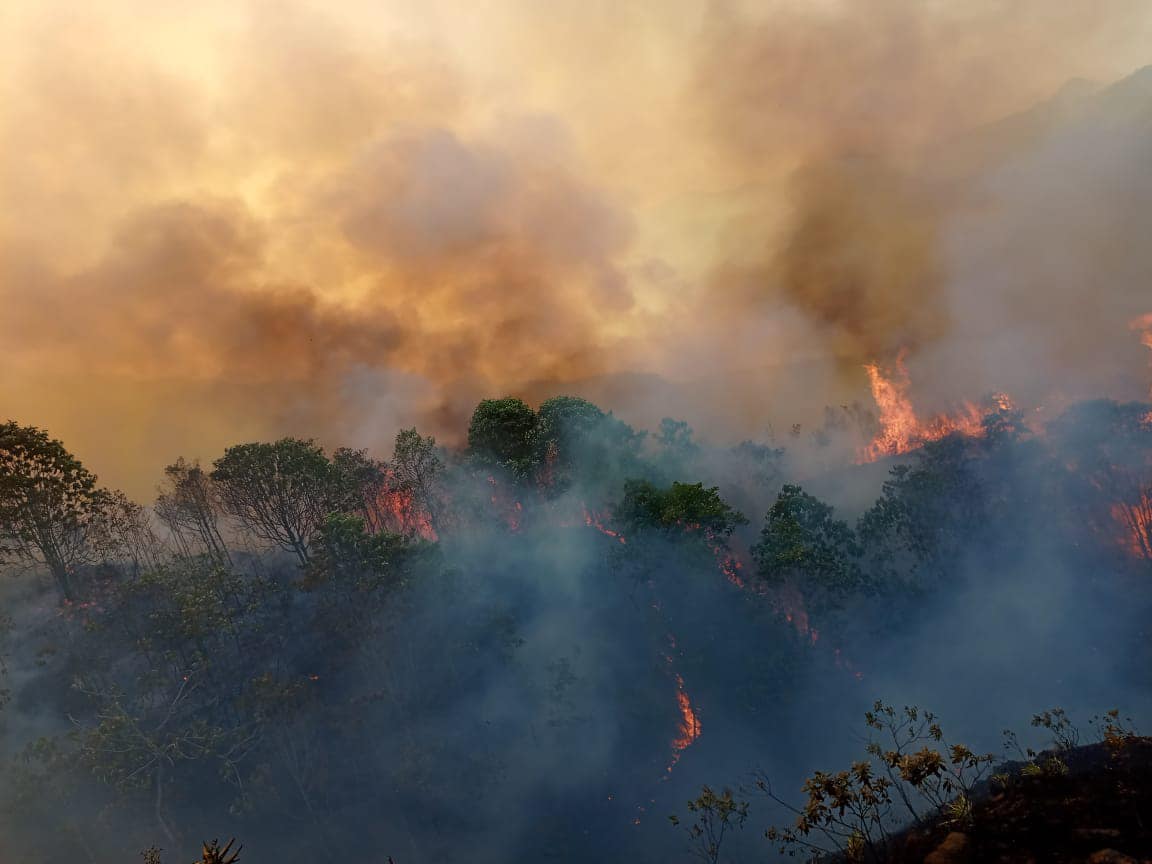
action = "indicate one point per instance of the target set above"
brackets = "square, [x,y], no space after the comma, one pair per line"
[189,504]
[281,492]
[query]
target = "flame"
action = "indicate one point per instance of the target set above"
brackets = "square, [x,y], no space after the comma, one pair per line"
[689,729]
[901,430]
[404,515]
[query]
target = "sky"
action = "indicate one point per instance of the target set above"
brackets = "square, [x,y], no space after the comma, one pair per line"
[244,220]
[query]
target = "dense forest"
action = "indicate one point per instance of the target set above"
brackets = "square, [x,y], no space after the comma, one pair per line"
[543,644]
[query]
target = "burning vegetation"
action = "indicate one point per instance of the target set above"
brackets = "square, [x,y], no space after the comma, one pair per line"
[285,601]
[902,431]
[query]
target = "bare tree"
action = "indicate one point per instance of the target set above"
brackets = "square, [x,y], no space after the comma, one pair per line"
[189,504]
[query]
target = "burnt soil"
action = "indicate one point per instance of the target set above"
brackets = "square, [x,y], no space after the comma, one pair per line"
[1103,802]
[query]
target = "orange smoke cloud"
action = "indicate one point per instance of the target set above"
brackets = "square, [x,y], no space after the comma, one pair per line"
[262,218]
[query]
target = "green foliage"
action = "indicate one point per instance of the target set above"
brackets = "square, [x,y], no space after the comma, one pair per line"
[714,816]
[681,506]
[578,442]
[909,765]
[343,550]
[502,432]
[802,543]
[49,504]
[926,516]
[280,491]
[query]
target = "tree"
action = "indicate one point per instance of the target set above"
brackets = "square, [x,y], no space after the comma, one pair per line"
[682,506]
[577,440]
[363,485]
[122,534]
[803,543]
[418,470]
[281,492]
[502,432]
[49,503]
[188,505]
[345,553]
[924,522]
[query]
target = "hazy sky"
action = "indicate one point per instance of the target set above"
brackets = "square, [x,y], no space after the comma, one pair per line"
[242,219]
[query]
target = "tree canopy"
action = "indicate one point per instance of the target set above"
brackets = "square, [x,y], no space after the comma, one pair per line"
[49,503]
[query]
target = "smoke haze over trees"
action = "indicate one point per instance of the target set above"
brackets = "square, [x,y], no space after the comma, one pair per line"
[466,433]
[541,645]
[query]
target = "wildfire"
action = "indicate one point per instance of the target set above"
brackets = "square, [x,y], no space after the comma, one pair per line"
[728,563]
[404,515]
[901,430]
[689,728]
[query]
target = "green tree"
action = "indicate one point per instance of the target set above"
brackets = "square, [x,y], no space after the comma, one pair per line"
[49,504]
[343,551]
[576,440]
[682,506]
[804,544]
[280,491]
[502,432]
[927,515]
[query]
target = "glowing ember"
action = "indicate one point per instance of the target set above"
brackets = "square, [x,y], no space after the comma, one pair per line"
[789,602]
[592,520]
[901,430]
[510,510]
[728,563]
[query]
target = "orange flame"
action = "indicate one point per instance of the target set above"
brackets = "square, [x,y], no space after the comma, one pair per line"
[901,430]
[592,520]
[403,514]
[689,729]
